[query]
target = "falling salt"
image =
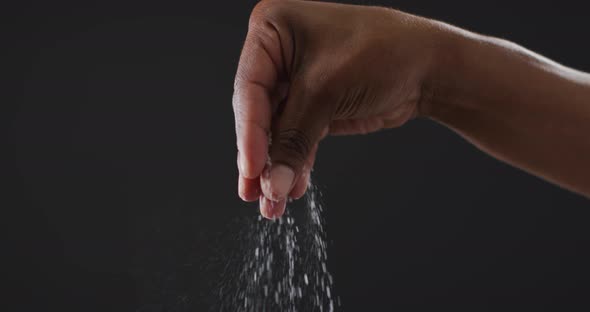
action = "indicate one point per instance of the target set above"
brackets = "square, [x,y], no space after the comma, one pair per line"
[287,252]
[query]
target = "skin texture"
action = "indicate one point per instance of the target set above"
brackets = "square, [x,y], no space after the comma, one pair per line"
[311,69]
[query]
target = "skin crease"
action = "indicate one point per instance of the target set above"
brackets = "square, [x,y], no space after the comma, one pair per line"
[311,69]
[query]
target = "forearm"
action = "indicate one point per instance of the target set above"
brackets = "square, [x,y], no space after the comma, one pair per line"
[515,105]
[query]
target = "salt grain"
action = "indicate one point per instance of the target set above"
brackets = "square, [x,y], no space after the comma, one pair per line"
[287,252]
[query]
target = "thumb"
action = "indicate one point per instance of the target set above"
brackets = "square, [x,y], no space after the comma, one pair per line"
[295,131]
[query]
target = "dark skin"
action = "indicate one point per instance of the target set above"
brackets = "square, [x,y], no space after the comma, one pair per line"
[311,69]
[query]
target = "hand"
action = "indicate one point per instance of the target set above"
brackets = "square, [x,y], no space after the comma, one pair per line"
[309,69]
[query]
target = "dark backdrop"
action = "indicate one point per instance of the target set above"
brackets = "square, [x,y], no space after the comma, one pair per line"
[121,178]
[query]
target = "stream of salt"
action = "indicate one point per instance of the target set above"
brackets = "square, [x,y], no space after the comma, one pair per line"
[284,265]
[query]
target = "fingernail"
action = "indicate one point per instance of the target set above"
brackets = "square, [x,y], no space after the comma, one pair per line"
[271,209]
[265,207]
[281,181]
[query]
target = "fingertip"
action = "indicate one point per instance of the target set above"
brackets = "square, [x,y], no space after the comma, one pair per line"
[300,187]
[272,209]
[303,181]
[277,181]
[248,189]
[242,189]
[265,207]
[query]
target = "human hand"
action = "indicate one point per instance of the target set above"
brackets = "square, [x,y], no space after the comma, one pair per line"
[309,69]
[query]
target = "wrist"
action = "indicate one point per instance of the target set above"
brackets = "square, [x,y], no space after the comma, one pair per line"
[474,75]
[447,83]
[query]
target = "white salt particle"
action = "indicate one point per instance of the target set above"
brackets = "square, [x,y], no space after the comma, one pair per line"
[277,257]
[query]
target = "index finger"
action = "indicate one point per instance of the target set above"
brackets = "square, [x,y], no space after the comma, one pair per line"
[256,79]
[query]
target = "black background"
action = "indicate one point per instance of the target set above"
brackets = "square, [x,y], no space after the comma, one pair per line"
[121,177]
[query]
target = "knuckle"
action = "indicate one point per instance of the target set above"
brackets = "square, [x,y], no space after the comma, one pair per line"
[295,144]
[266,10]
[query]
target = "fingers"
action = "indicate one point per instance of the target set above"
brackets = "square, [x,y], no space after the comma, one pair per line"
[295,133]
[256,80]
[252,109]
[248,189]
[300,186]
[275,209]
[267,58]
[303,180]
[272,209]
